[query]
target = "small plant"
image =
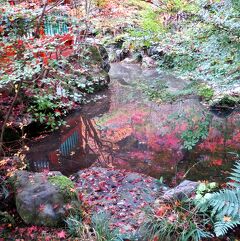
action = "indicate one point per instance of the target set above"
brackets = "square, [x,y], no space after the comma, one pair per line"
[98,230]
[175,6]
[195,133]
[5,217]
[205,92]
[48,109]
[76,227]
[151,22]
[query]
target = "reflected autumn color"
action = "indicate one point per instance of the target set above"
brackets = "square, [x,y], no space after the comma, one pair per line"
[124,129]
[75,146]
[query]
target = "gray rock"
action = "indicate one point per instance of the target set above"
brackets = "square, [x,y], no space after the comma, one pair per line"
[155,51]
[38,201]
[105,59]
[184,189]
[132,177]
[121,54]
[117,55]
[122,194]
[148,62]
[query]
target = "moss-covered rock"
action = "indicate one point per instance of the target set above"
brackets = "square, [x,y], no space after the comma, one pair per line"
[65,185]
[43,198]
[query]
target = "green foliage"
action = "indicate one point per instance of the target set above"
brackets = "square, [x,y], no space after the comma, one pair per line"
[65,185]
[195,132]
[150,27]
[150,22]
[99,229]
[205,92]
[175,6]
[229,101]
[205,47]
[75,226]
[48,109]
[5,217]
[100,224]
[141,4]
[200,41]
[181,221]
[74,221]
[224,205]
[4,192]
[50,87]
[205,187]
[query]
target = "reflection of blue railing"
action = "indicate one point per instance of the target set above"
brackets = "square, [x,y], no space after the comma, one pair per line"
[53,28]
[67,146]
[41,165]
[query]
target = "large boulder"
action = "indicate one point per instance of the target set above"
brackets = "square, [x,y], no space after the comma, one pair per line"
[43,198]
[123,195]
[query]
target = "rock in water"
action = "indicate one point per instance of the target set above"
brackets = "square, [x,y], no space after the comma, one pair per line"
[183,190]
[39,198]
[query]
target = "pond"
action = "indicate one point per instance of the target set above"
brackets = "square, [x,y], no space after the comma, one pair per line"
[123,128]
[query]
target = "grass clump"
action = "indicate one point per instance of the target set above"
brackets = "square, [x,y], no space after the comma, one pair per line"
[180,220]
[206,92]
[98,230]
[101,226]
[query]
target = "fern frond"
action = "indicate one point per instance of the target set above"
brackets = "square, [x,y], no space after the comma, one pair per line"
[221,227]
[226,203]
[235,185]
[235,176]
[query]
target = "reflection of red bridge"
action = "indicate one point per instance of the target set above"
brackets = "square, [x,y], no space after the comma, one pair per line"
[79,147]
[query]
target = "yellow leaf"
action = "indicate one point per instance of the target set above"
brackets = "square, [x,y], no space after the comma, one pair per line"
[226,219]
[3,162]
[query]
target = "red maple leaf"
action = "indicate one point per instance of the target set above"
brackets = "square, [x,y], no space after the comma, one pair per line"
[102,185]
[41,207]
[61,234]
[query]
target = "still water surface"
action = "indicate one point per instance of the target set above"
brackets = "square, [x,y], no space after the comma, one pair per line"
[125,129]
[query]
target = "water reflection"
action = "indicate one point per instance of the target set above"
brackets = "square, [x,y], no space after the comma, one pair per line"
[126,130]
[75,146]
